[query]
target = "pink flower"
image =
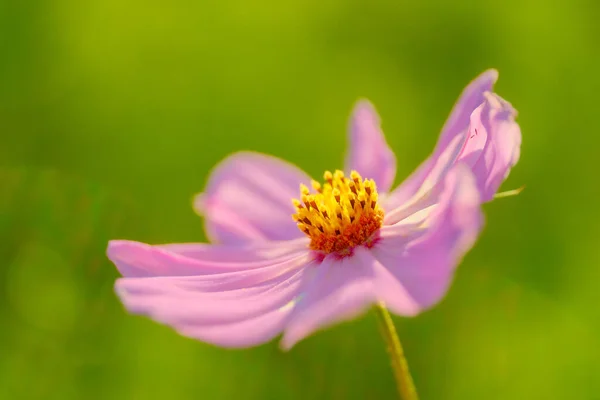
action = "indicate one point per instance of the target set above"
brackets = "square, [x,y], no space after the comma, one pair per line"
[287,266]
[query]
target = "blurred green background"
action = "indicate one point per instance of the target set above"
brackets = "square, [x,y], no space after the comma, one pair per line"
[112,114]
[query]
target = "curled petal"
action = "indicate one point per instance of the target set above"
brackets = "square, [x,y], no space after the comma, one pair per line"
[424,265]
[481,133]
[495,119]
[453,132]
[248,199]
[471,97]
[369,153]
[337,290]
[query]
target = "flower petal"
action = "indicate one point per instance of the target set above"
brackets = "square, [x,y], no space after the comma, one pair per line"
[135,259]
[237,279]
[248,199]
[388,288]
[238,317]
[369,153]
[406,191]
[424,266]
[334,291]
[183,299]
[481,132]
[241,300]
[242,334]
[236,253]
[495,119]
[456,126]
[471,97]
[402,202]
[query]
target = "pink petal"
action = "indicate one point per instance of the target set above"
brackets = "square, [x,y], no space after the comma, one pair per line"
[495,119]
[240,317]
[456,125]
[249,199]
[481,132]
[336,290]
[471,97]
[232,304]
[398,206]
[424,266]
[369,153]
[246,333]
[180,299]
[241,278]
[135,259]
[388,288]
[406,191]
[236,253]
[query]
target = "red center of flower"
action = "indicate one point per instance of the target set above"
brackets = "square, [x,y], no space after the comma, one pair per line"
[341,214]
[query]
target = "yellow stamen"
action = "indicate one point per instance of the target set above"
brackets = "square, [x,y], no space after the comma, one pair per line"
[316,185]
[342,214]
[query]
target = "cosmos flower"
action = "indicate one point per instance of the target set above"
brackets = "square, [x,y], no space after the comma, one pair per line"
[291,255]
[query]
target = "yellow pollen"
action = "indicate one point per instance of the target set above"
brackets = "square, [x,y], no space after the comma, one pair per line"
[340,214]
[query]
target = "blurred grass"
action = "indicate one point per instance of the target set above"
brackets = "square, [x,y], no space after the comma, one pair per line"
[112,114]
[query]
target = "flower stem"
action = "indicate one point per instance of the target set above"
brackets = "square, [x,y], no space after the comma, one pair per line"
[404,382]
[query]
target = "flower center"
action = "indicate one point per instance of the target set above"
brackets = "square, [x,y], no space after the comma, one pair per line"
[342,213]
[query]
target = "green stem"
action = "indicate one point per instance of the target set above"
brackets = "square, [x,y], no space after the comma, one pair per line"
[404,382]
